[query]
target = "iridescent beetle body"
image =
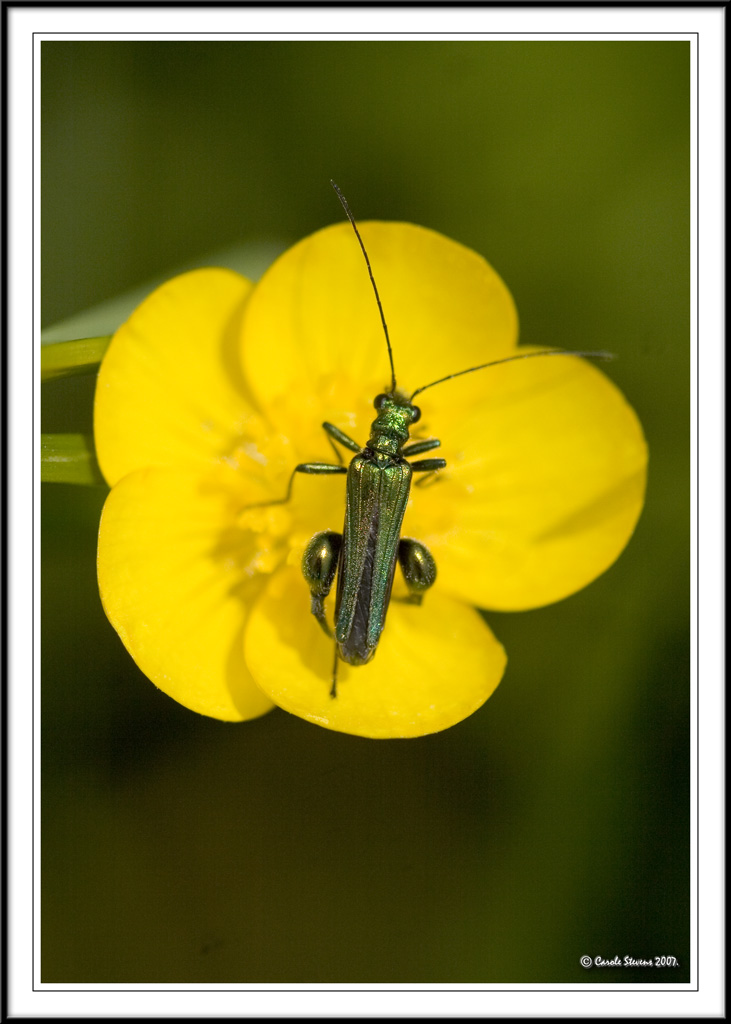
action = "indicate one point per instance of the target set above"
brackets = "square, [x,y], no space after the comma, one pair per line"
[364,556]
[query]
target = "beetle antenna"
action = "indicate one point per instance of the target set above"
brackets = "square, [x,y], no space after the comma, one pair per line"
[511,359]
[351,218]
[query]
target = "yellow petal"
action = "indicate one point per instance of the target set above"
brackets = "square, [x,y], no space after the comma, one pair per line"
[170,388]
[544,484]
[313,338]
[435,665]
[174,582]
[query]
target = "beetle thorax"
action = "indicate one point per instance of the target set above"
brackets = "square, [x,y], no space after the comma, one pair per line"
[390,428]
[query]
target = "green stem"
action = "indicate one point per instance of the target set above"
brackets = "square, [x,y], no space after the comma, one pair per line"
[69,459]
[67,358]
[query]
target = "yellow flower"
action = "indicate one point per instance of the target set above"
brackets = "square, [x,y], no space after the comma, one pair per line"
[215,389]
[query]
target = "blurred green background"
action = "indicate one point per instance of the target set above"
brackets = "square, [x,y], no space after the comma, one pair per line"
[553,823]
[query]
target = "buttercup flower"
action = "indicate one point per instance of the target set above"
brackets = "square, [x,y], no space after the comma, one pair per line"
[216,388]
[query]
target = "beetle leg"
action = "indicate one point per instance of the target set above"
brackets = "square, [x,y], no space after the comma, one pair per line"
[418,566]
[428,479]
[337,434]
[420,446]
[319,565]
[304,467]
[333,688]
[428,466]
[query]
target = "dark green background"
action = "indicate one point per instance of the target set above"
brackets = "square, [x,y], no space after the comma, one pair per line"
[553,823]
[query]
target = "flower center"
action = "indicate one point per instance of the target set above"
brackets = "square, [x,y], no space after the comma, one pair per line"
[271,526]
